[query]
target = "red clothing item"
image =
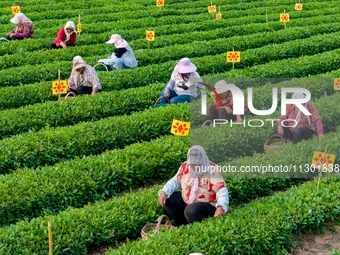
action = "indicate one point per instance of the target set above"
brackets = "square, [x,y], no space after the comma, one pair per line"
[61,37]
[291,113]
[228,102]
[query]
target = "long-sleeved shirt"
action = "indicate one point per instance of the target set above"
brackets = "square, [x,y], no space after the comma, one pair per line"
[126,54]
[61,37]
[212,187]
[87,78]
[176,82]
[25,30]
[291,113]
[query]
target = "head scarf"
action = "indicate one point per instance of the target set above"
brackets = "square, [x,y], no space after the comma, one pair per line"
[20,18]
[194,176]
[69,24]
[299,95]
[78,62]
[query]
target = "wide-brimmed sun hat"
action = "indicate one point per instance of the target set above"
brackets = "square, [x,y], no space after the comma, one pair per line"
[222,86]
[185,66]
[114,38]
[78,65]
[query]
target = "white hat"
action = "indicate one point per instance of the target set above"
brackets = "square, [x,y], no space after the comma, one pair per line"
[114,38]
[221,86]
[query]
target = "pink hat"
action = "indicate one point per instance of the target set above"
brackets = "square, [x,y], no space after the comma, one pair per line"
[78,65]
[114,38]
[185,66]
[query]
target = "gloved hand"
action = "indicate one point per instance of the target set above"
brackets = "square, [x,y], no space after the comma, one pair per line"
[166,92]
[101,60]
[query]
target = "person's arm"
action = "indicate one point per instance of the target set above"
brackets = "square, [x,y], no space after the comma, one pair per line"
[92,77]
[170,187]
[222,198]
[219,187]
[70,82]
[120,52]
[316,119]
[110,60]
[60,37]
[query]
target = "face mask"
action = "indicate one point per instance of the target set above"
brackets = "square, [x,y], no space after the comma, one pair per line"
[185,76]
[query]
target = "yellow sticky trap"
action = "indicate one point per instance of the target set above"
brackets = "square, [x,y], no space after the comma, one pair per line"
[59,88]
[160,3]
[337,84]
[150,35]
[180,128]
[298,7]
[79,27]
[212,8]
[233,56]
[284,17]
[321,162]
[15,9]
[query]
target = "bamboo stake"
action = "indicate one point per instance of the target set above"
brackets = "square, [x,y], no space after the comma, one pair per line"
[320,171]
[58,84]
[50,243]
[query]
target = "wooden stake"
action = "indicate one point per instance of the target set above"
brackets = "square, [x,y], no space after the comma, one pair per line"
[233,61]
[320,170]
[50,243]
[58,84]
[284,11]
[79,21]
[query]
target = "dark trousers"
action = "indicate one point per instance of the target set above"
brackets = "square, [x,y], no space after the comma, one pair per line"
[220,114]
[182,213]
[82,90]
[13,37]
[299,134]
[54,46]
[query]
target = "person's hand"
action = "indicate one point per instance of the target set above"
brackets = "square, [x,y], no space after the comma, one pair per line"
[62,44]
[228,109]
[101,60]
[93,93]
[11,34]
[321,136]
[280,130]
[166,92]
[219,212]
[162,199]
[239,119]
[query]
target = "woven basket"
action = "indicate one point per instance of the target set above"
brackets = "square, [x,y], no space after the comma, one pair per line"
[156,104]
[101,66]
[70,95]
[273,139]
[147,229]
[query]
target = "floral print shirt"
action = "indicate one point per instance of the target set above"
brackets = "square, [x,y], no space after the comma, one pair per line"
[209,184]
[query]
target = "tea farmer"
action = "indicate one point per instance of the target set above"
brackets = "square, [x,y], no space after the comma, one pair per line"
[83,78]
[122,57]
[296,125]
[225,111]
[204,193]
[24,28]
[183,83]
[66,37]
